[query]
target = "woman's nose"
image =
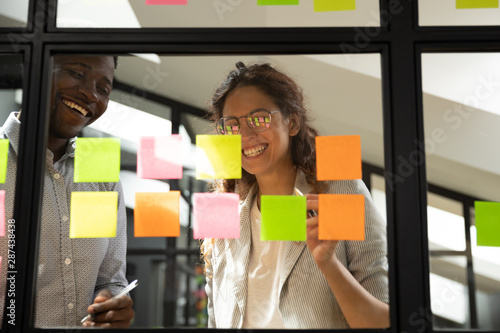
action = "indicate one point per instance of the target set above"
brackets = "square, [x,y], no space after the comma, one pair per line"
[246,130]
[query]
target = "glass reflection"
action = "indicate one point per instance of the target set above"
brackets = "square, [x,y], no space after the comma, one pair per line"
[11,69]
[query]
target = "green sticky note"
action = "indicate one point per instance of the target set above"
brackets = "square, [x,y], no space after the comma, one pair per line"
[4,154]
[283,217]
[334,5]
[487,223]
[97,160]
[218,156]
[93,214]
[276,2]
[467,4]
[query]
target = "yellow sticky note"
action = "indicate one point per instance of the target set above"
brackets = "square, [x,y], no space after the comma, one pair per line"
[218,156]
[97,160]
[334,5]
[338,157]
[276,2]
[93,214]
[468,4]
[341,217]
[4,154]
[157,214]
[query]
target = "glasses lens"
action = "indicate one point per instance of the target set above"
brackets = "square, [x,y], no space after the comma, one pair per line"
[259,120]
[228,126]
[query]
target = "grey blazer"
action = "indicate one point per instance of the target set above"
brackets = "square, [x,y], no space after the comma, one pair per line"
[305,298]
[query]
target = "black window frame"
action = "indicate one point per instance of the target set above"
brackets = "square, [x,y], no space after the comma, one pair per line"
[400,41]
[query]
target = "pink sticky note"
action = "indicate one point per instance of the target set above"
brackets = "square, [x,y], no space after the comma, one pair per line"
[160,157]
[166,2]
[2,213]
[216,215]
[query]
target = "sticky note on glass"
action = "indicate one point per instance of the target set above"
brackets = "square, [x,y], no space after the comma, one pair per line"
[97,160]
[283,217]
[4,154]
[334,5]
[166,2]
[160,157]
[341,217]
[93,214]
[218,156]
[157,214]
[487,223]
[216,215]
[2,213]
[467,4]
[338,157]
[276,2]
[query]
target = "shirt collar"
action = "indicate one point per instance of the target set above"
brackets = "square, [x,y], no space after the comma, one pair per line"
[12,128]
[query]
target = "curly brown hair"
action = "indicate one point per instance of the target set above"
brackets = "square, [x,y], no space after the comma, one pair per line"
[287,95]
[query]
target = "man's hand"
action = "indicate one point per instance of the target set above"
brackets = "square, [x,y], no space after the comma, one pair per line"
[110,312]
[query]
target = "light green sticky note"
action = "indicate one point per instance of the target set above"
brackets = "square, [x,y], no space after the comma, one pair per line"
[218,156]
[93,214]
[487,223]
[283,217]
[334,5]
[4,155]
[467,4]
[97,160]
[276,2]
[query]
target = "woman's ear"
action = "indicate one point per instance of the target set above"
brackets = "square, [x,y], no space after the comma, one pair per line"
[293,125]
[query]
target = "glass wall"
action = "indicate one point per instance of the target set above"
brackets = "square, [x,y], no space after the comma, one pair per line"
[216,14]
[11,77]
[461,99]
[155,96]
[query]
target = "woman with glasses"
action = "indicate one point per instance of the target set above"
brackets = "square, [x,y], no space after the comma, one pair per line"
[277,284]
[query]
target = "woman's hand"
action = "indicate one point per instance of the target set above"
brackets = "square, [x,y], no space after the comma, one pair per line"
[323,251]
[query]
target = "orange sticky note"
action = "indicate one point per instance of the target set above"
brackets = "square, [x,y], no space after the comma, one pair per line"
[338,157]
[341,217]
[157,214]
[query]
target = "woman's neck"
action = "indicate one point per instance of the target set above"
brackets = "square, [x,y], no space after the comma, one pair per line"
[281,184]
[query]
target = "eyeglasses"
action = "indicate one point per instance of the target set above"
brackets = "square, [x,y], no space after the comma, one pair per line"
[259,120]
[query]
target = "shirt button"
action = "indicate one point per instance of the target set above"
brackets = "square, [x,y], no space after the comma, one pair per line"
[64,218]
[71,306]
[57,176]
[67,261]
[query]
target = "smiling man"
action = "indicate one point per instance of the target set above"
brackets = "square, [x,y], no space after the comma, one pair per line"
[72,273]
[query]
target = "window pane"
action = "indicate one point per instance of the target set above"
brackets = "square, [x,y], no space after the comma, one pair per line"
[13,14]
[445,223]
[486,260]
[461,118]
[449,292]
[11,76]
[446,13]
[218,13]
[159,95]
